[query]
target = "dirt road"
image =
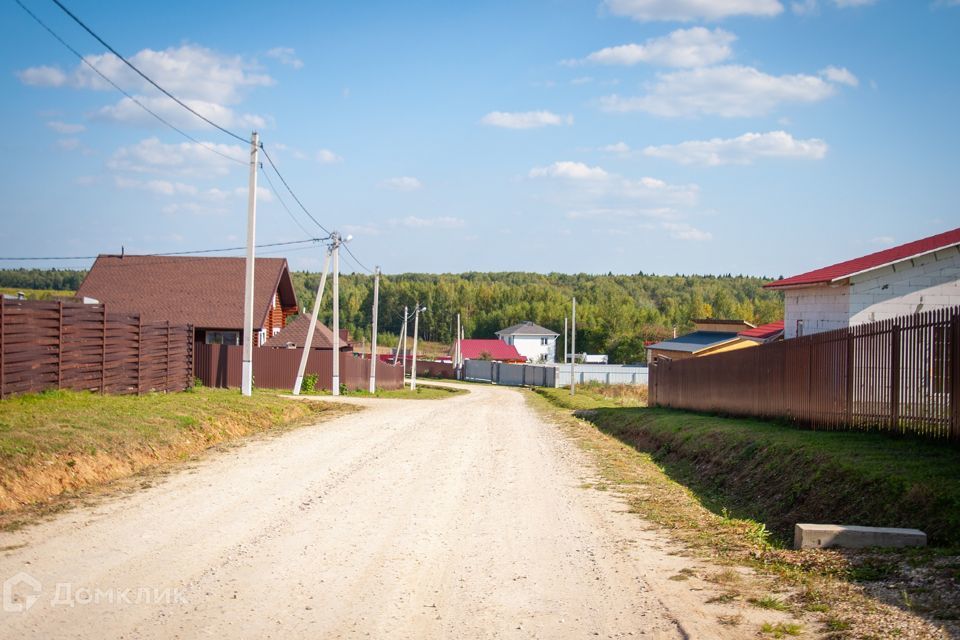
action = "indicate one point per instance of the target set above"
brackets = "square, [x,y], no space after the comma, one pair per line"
[458,518]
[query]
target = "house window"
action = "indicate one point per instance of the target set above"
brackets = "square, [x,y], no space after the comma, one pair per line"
[223,337]
[544,341]
[799,328]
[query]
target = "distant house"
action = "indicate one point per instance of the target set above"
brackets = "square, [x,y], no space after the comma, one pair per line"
[913,277]
[765,333]
[535,343]
[294,336]
[496,350]
[205,292]
[709,337]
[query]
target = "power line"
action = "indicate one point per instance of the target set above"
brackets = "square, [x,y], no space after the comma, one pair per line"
[284,204]
[121,90]
[279,175]
[169,253]
[362,266]
[145,76]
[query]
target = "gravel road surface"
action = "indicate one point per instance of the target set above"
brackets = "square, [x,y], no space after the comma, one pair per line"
[459,518]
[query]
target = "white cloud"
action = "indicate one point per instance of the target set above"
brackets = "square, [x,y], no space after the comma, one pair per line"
[287,56]
[126,111]
[65,127]
[68,144]
[440,222]
[594,187]
[686,10]
[525,119]
[740,150]
[403,183]
[206,80]
[184,158]
[571,170]
[804,7]
[619,148]
[696,47]
[840,75]
[159,187]
[684,231]
[43,76]
[727,91]
[844,4]
[325,156]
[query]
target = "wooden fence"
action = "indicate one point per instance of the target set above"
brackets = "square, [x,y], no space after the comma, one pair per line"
[898,376]
[221,366]
[71,345]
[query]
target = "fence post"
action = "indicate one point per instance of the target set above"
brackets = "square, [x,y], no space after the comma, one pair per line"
[139,349]
[895,377]
[3,348]
[103,353]
[60,347]
[850,373]
[954,368]
[166,382]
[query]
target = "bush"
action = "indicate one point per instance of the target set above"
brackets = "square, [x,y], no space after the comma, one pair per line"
[310,383]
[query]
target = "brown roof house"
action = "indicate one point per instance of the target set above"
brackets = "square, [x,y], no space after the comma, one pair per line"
[294,336]
[204,292]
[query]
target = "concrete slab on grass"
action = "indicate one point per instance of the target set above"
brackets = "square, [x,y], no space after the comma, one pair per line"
[815,536]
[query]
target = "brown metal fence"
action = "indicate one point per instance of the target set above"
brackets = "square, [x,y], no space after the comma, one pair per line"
[71,345]
[898,376]
[221,366]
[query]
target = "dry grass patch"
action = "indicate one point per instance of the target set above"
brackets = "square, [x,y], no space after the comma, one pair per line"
[61,441]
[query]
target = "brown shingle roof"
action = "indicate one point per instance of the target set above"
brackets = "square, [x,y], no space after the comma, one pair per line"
[204,292]
[296,332]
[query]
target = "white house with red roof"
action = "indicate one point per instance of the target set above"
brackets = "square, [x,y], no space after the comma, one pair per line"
[903,280]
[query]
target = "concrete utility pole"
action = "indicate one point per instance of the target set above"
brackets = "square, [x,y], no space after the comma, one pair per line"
[335,383]
[246,378]
[416,331]
[308,345]
[456,350]
[373,342]
[403,333]
[573,347]
[406,315]
[566,339]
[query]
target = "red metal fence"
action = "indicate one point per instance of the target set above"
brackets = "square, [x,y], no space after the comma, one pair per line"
[220,366]
[71,345]
[897,376]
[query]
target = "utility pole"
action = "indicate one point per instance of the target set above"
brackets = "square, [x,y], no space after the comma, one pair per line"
[566,339]
[373,342]
[403,333]
[573,347]
[456,350]
[308,345]
[404,340]
[416,331]
[335,383]
[246,377]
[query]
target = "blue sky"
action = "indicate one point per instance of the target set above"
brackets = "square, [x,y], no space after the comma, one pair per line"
[764,137]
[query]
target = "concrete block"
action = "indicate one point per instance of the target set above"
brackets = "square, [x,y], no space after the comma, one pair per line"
[815,536]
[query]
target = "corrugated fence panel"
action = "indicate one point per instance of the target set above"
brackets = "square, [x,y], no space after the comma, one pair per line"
[898,376]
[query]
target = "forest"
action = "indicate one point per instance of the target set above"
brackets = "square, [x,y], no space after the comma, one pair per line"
[616,314]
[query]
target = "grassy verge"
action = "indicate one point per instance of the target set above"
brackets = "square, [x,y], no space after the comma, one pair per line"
[715,483]
[57,442]
[37,294]
[422,392]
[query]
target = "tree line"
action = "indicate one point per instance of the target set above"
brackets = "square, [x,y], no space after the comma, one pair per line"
[616,314]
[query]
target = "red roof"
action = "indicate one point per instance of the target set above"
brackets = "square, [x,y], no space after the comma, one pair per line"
[876,260]
[764,331]
[204,292]
[496,349]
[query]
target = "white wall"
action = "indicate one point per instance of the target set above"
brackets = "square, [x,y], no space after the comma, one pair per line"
[932,281]
[531,348]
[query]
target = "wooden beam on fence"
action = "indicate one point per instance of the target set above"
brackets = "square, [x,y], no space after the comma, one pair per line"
[849,380]
[3,348]
[166,382]
[139,349]
[103,353]
[60,346]
[895,378]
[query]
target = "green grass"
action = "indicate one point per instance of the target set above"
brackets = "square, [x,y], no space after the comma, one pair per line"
[597,396]
[423,392]
[79,438]
[780,475]
[781,629]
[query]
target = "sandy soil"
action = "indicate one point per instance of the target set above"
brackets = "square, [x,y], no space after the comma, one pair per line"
[458,518]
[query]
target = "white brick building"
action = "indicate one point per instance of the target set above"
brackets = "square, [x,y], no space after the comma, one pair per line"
[917,276]
[534,342]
